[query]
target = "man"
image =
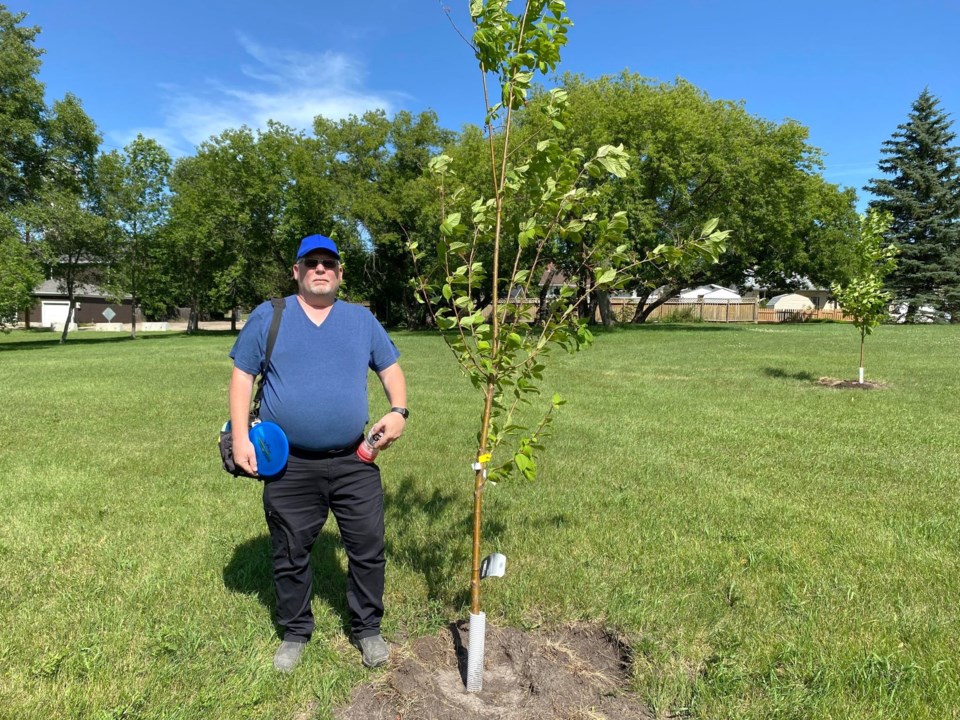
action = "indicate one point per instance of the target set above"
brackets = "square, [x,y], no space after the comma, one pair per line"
[316,390]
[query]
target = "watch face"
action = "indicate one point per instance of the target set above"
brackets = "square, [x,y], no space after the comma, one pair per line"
[402,411]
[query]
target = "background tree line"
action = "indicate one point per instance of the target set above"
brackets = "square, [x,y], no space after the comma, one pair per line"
[215,231]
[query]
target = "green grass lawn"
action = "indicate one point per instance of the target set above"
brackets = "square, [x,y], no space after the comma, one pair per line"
[770,548]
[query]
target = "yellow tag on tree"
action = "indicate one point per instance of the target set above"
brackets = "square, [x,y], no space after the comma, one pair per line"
[485,458]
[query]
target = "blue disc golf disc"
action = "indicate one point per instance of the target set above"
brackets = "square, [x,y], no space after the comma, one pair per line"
[271,446]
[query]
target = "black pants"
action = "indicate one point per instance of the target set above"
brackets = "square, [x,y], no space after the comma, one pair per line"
[296,504]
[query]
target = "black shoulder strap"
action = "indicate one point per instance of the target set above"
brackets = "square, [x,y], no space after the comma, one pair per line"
[278,304]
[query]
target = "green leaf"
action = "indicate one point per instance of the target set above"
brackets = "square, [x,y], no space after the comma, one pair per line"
[607,277]
[450,223]
[523,78]
[525,465]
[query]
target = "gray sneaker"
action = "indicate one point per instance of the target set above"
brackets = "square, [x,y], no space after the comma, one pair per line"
[288,655]
[373,649]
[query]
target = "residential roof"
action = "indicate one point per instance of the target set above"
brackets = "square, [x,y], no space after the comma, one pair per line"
[711,290]
[52,287]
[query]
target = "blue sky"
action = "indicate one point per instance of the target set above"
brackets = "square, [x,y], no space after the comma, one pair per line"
[181,71]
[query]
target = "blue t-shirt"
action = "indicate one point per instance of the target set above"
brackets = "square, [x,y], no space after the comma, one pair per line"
[316,388]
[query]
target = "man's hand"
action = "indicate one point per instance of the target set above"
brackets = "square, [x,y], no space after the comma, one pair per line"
[390,427]
[243,453]
[241,385]
[392,424]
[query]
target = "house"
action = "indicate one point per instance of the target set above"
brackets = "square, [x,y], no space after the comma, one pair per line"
[709,294]
[821,298]
[93,306]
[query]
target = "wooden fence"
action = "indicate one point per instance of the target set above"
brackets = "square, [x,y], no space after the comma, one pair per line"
[725,312]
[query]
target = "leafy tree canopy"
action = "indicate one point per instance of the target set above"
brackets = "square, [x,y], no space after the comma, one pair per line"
[22,110]
[20,273]
[696,158]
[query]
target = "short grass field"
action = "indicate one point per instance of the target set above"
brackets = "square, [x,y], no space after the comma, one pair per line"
[769,548]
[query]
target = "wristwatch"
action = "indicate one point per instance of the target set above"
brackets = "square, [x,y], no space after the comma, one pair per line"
[402,411]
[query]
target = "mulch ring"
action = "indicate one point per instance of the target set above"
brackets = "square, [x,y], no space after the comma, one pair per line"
[851,384]
[573,673]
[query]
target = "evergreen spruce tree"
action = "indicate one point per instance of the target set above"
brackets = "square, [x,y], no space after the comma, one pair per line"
[922,194]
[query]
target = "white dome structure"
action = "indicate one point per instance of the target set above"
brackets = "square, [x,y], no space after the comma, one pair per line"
[790,301]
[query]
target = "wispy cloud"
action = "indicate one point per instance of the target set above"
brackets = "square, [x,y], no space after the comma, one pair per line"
[288,86]
[841,170]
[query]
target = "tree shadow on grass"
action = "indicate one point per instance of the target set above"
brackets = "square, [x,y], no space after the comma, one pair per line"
[250,571]
[430,533]
[433,536]
[54,340]
[781,374]
[98,338]
[692,327]
[200,332]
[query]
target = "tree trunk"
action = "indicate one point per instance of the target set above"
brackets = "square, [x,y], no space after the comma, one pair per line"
[412,312]
[586,309]
[603,305]
[543,308]
[134,264]
[233,308]
[71,308]
[643,311]
[192,319]
[133,294]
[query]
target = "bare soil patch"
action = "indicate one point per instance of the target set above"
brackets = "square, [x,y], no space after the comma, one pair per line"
[574,673]
[850,384]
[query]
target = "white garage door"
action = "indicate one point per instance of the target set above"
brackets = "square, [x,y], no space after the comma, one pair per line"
[54,311]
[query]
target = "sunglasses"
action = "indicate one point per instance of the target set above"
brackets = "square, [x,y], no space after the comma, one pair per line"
[328,263]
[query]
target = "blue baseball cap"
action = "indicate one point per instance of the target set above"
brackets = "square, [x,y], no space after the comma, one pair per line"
[317,242]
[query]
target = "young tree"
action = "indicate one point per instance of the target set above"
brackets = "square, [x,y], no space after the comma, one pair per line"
[492,247]
[136,198]
[921,191]
[193,244]
[863,297]
[19,274]
[76,240]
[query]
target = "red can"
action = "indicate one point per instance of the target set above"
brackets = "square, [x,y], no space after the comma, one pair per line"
[367,450]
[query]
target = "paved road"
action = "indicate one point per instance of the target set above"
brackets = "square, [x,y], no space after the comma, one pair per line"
[175,326]
[204,325]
